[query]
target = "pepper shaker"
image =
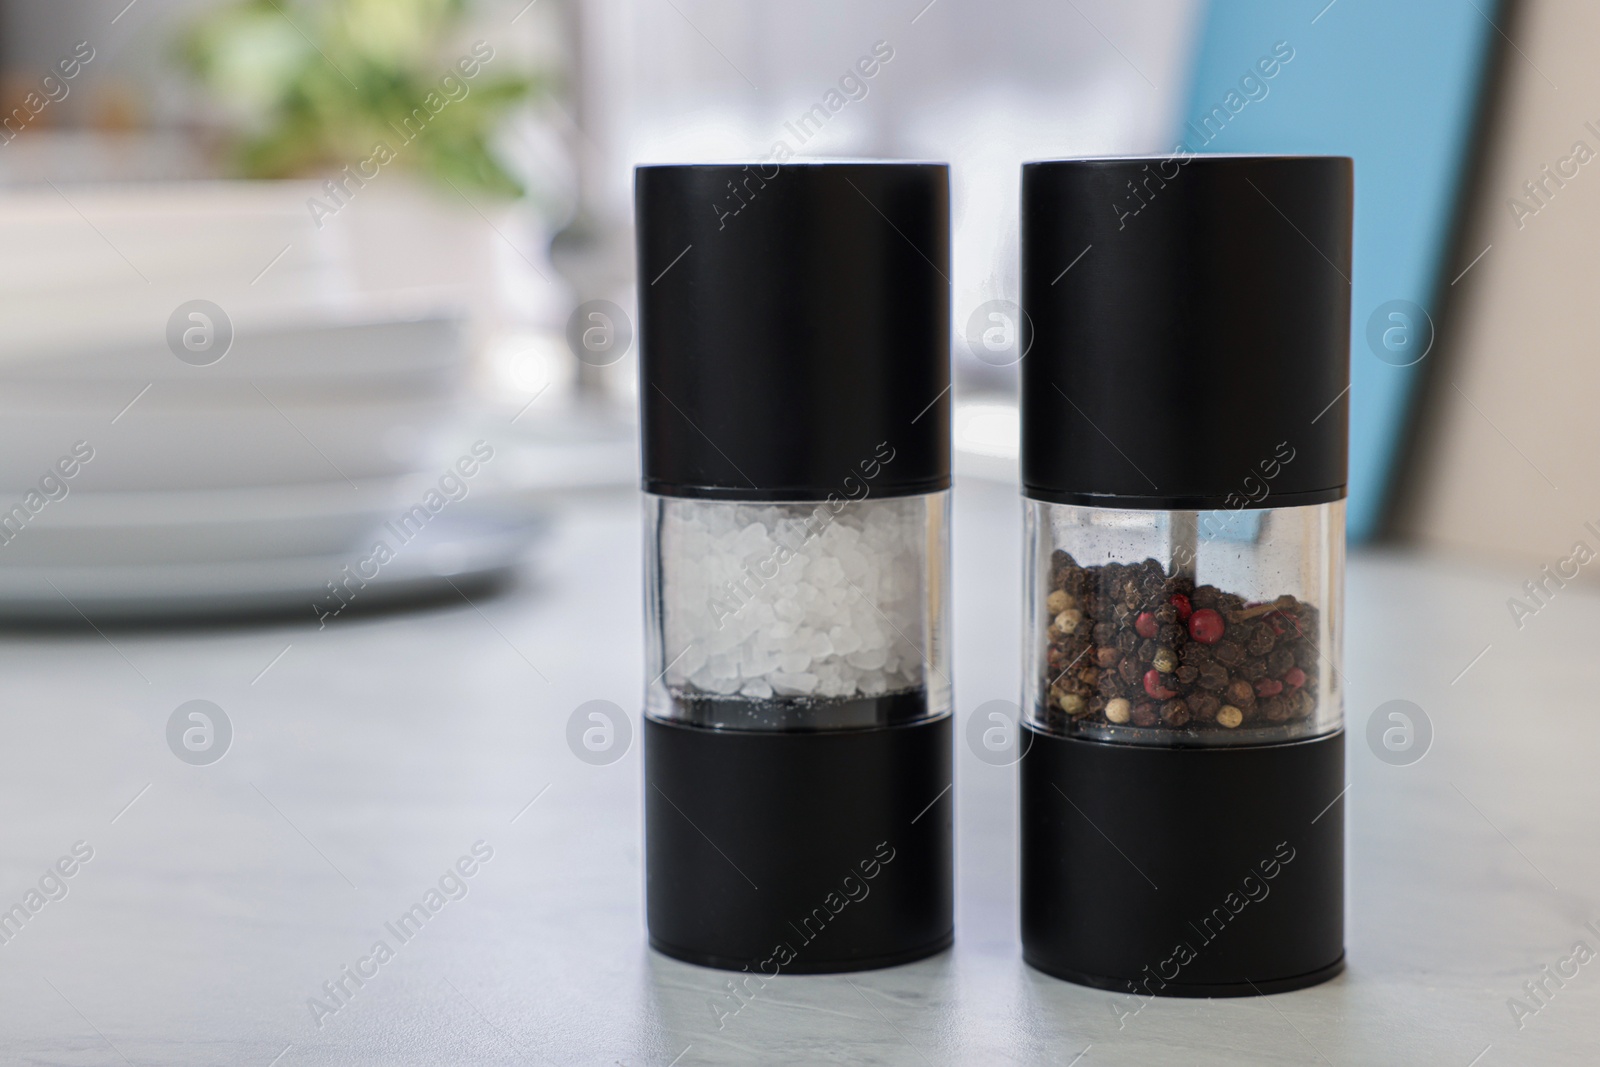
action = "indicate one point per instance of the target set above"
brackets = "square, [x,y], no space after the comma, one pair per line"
[794,397]
[1184,443]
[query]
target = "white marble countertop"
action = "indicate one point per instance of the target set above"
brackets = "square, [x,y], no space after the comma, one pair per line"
[368,758]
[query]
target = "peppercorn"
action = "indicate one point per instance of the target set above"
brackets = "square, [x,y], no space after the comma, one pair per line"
[1261,640]
[1214,676]
[1240,693]
[1229,716]
[1072,704]
[1182,607]
[1188,673]
[1165,660]
[1206,626]
[1228,654]
[1144,715]
[1117,710]
[1175,713]
[1067,622]
[1145,624]
[1107,656]
[1153,686]
[1294,677]
[1268,687]
[1204,706]
[1151,581]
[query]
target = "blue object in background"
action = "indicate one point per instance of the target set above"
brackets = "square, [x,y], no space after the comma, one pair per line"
[1396,86]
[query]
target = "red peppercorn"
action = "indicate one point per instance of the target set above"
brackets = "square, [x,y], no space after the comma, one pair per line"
[1153,686]
[1294,678]
[1146,624]
[1268,687]
[1206,626]
[1185,609]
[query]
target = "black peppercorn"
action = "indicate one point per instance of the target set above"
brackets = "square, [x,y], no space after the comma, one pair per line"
[1204,706]
[1240,693]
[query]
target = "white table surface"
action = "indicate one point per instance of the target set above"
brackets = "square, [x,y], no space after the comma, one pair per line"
[371,755]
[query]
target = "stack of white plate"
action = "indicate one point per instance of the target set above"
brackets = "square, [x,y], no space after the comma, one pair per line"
[244,484]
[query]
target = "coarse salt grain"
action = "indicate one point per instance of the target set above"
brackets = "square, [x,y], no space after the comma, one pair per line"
[766,607]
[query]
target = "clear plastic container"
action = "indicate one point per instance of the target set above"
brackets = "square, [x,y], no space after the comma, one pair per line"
[1184,628]
[797,616]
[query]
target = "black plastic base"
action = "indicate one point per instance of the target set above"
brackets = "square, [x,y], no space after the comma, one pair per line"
[1200,872]
[798,853]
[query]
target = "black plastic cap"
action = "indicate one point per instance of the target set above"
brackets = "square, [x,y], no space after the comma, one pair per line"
[794,327]
[1190,324]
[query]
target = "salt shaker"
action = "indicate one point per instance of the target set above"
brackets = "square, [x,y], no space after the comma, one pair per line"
[1184,406]
[794,397]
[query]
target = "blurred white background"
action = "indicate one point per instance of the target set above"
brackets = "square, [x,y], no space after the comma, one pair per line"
[389,309]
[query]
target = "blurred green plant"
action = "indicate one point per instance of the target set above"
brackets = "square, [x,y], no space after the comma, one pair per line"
[311,86]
